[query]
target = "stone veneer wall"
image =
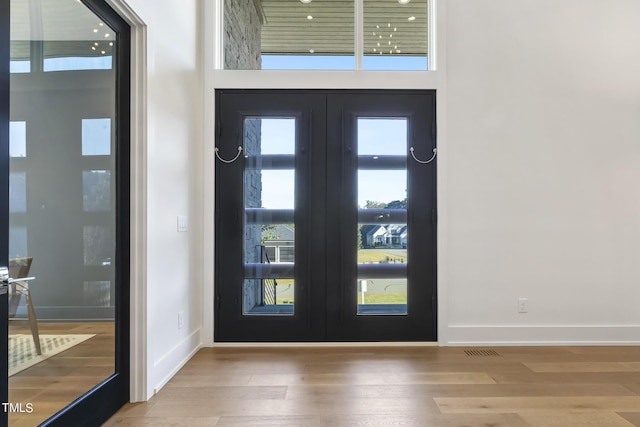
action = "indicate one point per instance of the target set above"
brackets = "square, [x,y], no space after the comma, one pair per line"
[242,35]
[242,32]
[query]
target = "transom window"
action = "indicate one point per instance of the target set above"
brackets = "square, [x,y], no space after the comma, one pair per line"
[326,34]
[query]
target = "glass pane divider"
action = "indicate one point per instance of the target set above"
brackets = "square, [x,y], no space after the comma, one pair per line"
[359,32]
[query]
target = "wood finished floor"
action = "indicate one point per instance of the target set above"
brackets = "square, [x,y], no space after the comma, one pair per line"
[55,382]
[397,386]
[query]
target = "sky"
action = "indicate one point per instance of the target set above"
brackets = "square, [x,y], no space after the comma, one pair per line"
[375,137]
[324,62]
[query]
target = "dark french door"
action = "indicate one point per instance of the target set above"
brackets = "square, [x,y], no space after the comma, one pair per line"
[325,216]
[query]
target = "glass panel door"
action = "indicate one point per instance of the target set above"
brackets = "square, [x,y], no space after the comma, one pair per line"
[265,192]
[382,266]
[68,212]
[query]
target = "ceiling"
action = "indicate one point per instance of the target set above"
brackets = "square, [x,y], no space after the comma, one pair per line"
[287,30]
[56,20]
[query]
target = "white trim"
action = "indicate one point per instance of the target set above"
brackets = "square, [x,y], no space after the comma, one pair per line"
[296,79]
[214,34]
[543,335]
[138,198]
[212,58]
[438,42]
[434,36]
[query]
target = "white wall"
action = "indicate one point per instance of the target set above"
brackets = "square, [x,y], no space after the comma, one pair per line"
[173,178]
[543,171]
[540,179]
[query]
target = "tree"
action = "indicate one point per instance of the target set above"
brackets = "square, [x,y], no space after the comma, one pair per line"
[397,204]
[268,232]
[372,204]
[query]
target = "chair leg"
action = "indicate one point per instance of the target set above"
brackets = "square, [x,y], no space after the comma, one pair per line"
[33,322]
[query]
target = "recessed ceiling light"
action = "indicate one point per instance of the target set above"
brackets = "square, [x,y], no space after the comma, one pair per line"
[411,18]
[309,17]
[311,51]
[308,1]
[403,1]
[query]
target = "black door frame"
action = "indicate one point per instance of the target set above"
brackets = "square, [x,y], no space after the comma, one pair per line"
[5,37]
[98,404]
[317,168]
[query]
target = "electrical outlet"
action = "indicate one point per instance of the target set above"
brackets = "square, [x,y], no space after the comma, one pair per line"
[523,305]
[180,319]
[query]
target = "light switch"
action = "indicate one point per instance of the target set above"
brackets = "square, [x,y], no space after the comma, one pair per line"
[183,223]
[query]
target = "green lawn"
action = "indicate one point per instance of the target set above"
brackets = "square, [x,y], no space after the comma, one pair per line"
[379,255]
[368,299]
[385,299]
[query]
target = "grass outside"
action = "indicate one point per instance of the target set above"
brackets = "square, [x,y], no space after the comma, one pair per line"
[368,299]
[385,298]
[379,255]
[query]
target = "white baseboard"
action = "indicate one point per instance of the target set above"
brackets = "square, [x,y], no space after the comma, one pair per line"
[538,335]
[171,362]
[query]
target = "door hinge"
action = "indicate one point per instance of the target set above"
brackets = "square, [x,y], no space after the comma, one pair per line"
[434,130]
[434,216]
[218,130]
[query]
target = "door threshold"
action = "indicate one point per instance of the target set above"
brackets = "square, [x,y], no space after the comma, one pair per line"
[326,344]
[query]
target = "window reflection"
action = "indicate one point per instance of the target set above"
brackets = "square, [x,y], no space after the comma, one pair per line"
[96,190]
[17,139]
[62,216]
[96,137]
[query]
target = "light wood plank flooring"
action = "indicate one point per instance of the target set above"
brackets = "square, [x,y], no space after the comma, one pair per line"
[398,386]
[55,382]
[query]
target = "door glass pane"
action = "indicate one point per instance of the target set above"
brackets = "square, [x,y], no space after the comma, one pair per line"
[269,227]
[62,214]
[395,35]
[382,216]
[289,35]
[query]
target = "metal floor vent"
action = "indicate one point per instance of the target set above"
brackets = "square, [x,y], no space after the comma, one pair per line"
[481,353]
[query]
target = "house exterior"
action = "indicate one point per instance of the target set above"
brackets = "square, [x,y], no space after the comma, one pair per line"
[279,243]
[384,236]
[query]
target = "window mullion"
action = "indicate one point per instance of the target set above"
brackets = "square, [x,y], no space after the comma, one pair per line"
[359,32]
